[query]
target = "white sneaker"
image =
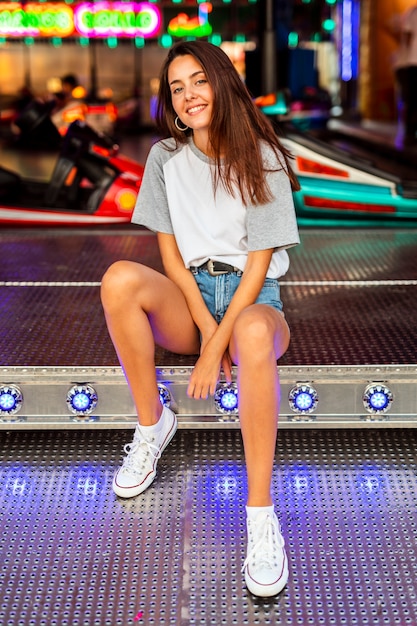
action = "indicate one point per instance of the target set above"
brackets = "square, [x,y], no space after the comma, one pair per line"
[139,467]
[266,564]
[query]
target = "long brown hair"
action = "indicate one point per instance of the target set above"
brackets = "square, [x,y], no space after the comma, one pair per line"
[236,127]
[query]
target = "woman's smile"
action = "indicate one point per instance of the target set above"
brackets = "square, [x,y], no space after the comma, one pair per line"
[196,109]
[192,96]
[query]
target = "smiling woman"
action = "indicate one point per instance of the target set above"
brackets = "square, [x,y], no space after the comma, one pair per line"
[217,190]
[192,98]
[235,124]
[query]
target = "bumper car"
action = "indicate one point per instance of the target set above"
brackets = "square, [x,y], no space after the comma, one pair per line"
[91,183]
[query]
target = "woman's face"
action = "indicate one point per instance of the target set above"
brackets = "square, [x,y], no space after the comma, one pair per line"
[191,94]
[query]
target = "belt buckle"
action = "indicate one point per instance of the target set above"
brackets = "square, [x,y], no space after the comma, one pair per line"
[212,271]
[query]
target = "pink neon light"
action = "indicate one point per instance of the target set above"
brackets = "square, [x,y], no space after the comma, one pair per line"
[119,19]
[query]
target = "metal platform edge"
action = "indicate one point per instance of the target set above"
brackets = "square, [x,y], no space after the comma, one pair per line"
[339,398]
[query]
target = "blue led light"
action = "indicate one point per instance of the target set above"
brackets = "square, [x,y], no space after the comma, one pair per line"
[377,398]
[229,400]
[10,399]
[303,398]
[226,398]
[164,395]
[350,38]
[303,401]
[82,399]
[7,401]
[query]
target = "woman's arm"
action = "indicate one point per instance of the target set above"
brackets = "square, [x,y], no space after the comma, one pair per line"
[176,271]
[215,338]
[205,375]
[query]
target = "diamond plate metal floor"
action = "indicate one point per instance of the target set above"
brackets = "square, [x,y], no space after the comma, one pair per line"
[350,298]
[72,554]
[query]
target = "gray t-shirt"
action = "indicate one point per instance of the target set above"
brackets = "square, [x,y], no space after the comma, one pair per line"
[176,197]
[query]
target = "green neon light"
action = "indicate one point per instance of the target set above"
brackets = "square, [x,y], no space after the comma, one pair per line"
[47,20]
[293,39]
[165,41]
[215,39]
[329,25]
[185,26]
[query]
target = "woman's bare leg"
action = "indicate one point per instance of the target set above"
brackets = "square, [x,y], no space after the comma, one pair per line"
[143,307]
[260,337]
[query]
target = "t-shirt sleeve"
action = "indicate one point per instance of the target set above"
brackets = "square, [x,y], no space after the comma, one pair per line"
[274,225]
[151,208]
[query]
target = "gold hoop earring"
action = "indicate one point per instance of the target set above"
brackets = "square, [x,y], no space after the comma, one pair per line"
[182,129]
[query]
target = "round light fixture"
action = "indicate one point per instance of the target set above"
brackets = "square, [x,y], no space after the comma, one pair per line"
[164,395]
[11,399]
[226,398]
[82,399]
[303,398]
[377,398]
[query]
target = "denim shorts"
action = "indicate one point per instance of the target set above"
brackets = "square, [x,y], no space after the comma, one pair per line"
[218,291]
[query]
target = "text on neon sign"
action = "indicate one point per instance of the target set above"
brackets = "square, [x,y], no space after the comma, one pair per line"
[103,19]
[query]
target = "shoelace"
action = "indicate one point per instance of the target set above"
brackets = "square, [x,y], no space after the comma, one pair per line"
[135,462]
[269,539]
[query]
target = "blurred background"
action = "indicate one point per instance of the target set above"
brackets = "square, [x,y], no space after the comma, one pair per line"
[337,55]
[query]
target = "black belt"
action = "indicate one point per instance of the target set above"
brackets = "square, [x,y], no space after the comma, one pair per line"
[216,268]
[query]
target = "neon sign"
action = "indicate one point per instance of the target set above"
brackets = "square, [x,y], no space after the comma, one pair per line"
[117,19]
[36,20]
[185,26]
[102,19]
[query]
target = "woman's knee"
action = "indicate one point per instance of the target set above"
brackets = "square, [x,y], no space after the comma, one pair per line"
[120,280]
[261,332]
[254,328]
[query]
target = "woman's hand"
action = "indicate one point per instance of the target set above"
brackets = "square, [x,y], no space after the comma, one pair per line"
[205,375]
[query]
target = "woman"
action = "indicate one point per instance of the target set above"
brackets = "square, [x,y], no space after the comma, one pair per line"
[217,191]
